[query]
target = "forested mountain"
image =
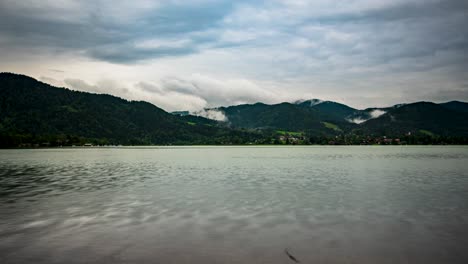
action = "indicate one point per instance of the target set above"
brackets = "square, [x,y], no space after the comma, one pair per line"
[280,116]
[286,117]
[32,113]
[315,116]
[421,117]
[456,106]
[331,111]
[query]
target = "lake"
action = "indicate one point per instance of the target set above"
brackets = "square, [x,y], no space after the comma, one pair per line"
[326,204]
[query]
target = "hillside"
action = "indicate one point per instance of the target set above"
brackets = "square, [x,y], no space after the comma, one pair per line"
[456,106]
[317,117]
[328,110]
[285,116]
[421,117]
[32,111]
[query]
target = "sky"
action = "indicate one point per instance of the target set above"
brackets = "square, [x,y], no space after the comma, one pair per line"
[193,54]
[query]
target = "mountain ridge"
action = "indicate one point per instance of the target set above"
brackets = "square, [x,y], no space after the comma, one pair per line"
[33,111]
[29,109]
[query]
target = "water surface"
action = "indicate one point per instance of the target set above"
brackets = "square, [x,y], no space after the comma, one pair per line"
[234,205]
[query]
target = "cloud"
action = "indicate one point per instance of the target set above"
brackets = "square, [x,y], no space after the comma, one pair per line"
[449,95]
[357,120]
[52,81]
[56,70]
[169,99]
[372,114]
[215,92]
[114,31]
[208,53]
[108,30]
[211,114]
[101,87]
[193,93]
[80,85]
[376,113]
[127,53]
[221,92]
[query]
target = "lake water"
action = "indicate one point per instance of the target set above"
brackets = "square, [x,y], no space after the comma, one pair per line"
[234,205]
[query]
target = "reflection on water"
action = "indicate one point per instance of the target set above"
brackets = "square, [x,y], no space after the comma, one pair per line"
[234,205]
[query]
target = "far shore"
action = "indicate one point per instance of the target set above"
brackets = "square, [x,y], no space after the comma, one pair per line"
[241,145]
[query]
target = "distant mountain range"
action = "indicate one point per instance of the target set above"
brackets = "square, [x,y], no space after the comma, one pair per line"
[35,113]
[316,117]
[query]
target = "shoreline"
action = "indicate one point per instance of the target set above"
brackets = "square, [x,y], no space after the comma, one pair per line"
[236,146]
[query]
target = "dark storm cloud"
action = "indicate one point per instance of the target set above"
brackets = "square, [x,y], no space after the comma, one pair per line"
[104,37]
[406,29]
[399,11]
[414,49]
[127,53]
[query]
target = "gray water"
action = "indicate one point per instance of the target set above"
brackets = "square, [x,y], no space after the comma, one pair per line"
[234,205]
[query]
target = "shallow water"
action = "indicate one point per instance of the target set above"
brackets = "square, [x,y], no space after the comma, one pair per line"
[234,205]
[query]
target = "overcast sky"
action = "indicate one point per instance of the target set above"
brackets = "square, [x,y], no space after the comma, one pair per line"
[190,54]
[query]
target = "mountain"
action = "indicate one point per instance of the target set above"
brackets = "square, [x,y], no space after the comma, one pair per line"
[328,110]
[283,116]
[421,117]
[32,111]
[317,117]
[312,116]
[361,116]
[456,106]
